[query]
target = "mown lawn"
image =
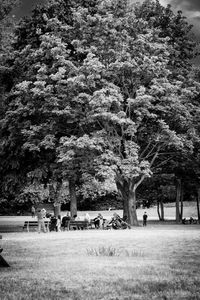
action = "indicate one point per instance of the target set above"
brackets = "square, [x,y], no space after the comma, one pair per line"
[160,262]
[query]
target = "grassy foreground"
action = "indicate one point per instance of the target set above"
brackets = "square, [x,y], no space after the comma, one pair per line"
[160,262]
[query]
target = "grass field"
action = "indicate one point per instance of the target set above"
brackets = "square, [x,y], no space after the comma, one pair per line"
[156,262]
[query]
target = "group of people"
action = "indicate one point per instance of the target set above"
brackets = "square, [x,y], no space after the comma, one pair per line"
[56,223]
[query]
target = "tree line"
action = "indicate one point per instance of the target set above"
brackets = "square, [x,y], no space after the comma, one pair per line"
[97,96]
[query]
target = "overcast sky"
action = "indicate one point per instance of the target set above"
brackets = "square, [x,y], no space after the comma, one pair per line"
[190,8]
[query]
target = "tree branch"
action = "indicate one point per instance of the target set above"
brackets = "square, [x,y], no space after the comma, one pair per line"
[145,149]
[154,157]
[134,186]
[163,163]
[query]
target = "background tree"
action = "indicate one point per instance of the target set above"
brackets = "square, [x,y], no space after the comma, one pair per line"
[174,27]
[39,108]
[6,39]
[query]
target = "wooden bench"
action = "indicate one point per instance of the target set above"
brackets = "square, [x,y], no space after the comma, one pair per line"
[79,225]
[3,262]
[32,224]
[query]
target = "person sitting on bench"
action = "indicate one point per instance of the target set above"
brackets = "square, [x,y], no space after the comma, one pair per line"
[66,221]
[98,221]
[53,222]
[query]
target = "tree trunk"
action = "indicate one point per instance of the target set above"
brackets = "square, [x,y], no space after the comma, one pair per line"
[198,212]
[129,202]
[57,209]
[125,207]
[162,210]
[123,191]
[178,196]
[132,215]
[73,200]
[51,192]
[57,199]
[158,210]
[181,198]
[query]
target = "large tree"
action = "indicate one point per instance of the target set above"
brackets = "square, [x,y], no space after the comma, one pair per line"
[139,114]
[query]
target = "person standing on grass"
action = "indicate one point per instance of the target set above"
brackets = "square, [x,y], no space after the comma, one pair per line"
[145,216]
[40,217]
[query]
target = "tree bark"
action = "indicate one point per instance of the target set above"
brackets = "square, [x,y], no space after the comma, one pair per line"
[158,210]
[123,191]
[198,198]
[178,196]
[129,202]
[181,199]
[132,215]
[57,209]
[125,206]
[51,192]
[73,199]
[57,200]
[54,196]
[162,210]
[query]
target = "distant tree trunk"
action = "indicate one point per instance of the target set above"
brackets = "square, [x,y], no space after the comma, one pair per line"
[57,200]
[178,197]
[57,209]
[162,210]
[181,198]
[51,192]
[73,199]
[158,210]
[54,190]
[198,198]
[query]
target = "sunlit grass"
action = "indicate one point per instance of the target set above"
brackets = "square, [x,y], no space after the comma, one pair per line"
[145,264]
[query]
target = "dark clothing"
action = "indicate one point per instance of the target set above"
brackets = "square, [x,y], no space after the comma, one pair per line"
[66,222]
[53,222]
[145,219]
[96,222]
